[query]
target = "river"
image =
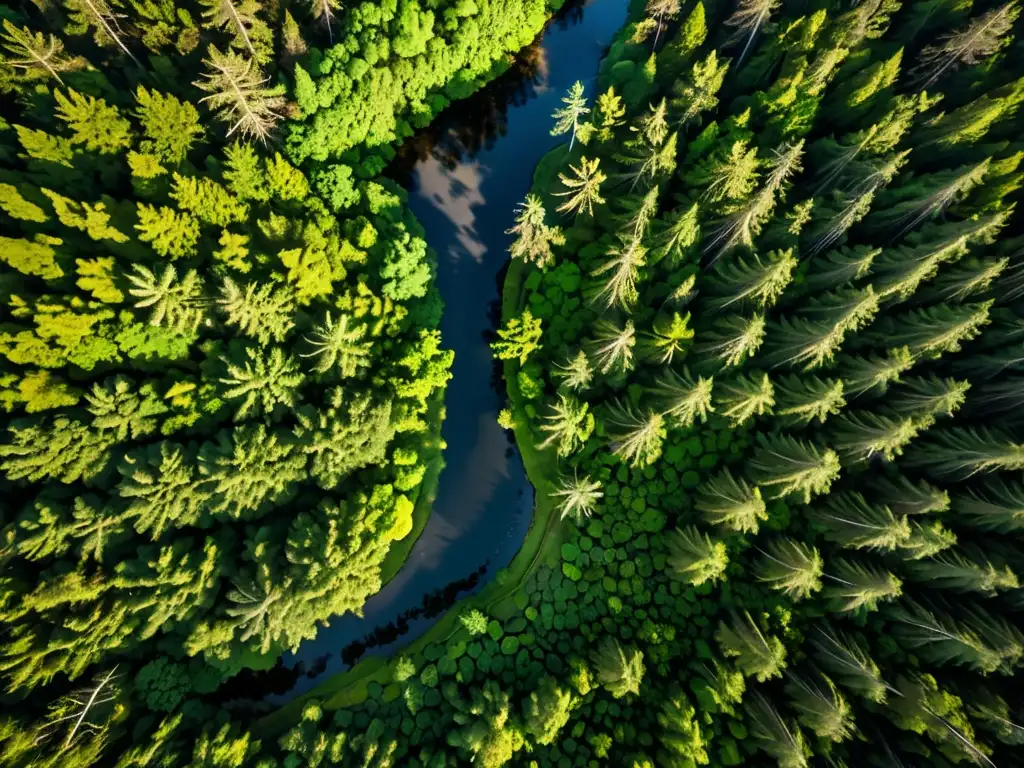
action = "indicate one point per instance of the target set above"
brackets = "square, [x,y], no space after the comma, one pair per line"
[465,174]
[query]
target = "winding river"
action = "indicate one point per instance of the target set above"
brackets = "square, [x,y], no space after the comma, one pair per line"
[465,173]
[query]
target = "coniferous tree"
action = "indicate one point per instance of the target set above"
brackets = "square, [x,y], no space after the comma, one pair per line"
[857,585]
[730,502]
[846,659]
[685,401]
[694,557]
[577,497]
[619,670]
[583,188]
[853,523]
[820,706]
[785,466]
[756,654]
[568,118]
[238,95]
[790,567]
[534,238]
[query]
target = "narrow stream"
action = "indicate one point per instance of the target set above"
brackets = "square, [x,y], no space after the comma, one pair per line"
[465,173]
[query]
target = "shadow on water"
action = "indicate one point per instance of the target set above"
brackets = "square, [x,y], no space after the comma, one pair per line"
[465,173]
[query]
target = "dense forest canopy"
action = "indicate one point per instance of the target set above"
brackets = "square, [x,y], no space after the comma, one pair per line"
[761,338]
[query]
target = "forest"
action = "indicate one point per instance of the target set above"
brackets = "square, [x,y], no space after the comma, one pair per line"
[220,358]
[761,336]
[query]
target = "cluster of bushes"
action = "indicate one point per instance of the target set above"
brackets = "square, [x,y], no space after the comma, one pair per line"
[771,353]
[220,356]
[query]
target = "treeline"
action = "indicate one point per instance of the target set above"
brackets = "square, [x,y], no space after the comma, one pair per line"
[769,342]
[221,367]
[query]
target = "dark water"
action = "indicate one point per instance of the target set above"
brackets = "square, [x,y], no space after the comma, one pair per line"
[465,173]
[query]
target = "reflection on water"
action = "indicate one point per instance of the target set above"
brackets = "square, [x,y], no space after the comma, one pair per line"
[465,174]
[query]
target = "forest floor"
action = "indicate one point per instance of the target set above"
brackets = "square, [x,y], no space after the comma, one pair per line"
[498,599]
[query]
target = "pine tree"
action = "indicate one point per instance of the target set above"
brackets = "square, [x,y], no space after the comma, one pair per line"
[175,303]
[742,398]
[340,346]
[874,373]
[684,401]
[547,710]
[773,735]
[519,338]
[609,114]
[263,312]
[863,435]
[748,19]
[694,557]
[859,585]
[96,125]
[759,282]
[756,654]
[733,339]
[623,271]
[239,17]
[901,209]
[170,126]
[675,234]
[846,659]
[926,539]
[619,670]
[730,502]
[820,706]
[323,11]
[963,452]
[981,38]
[569,425]
[904,497]
[534,238]
[996,504]
[583,189]
[568,117]
[237,95]
[681,736]
[36,53]
[939,638]
[576,374]
[669,338]
[98,16]
[577,497]
[249,470]
[613,346]
[964,569]
[698,92]
[786,466]
[343,434]
[161,484]
[266,378]
[813,338]
[790,567]
[853,523]
[840,267]
[636,437]
[800,401]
